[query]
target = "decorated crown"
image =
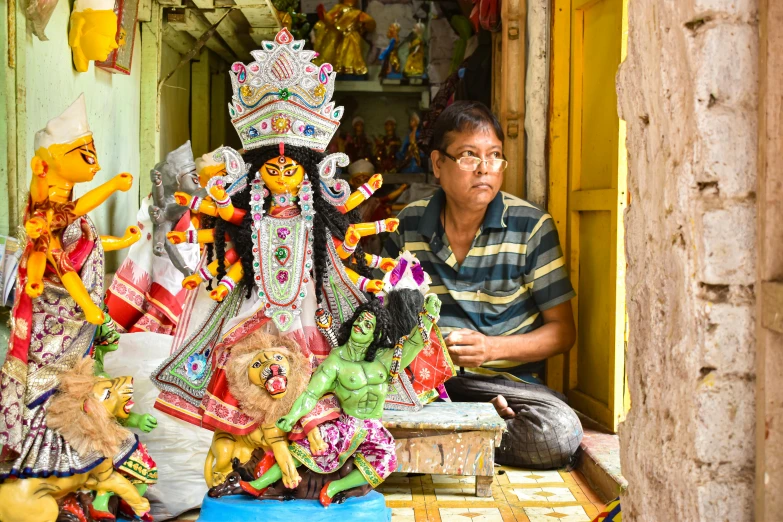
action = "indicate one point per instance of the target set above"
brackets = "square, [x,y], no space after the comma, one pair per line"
[283,97]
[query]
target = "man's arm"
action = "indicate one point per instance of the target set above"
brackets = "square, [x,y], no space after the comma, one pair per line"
[471,349]
[548,279]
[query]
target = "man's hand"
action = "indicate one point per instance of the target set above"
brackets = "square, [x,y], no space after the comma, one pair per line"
[469,349]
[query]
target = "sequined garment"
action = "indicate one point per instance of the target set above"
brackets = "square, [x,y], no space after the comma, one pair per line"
[58,337]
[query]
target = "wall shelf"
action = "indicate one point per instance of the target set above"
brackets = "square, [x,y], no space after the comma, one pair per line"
[376,86]
[396,178]
[373,86]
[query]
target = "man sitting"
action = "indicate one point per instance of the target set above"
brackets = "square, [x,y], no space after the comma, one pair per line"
[496,264]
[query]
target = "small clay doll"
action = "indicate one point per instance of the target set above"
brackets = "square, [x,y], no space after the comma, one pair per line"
[414,66]
[387,147]
[357,145]
[411,159]
[340,39]
[392,68]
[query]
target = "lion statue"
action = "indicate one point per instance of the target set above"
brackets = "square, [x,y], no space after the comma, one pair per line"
[266,374]
[85,412]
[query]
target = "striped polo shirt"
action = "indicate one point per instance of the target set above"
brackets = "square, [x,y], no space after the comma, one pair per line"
[514,270]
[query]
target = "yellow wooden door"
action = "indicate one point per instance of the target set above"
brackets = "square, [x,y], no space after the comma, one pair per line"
[591,179]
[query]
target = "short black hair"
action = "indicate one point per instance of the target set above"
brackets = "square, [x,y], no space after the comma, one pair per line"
[463,115]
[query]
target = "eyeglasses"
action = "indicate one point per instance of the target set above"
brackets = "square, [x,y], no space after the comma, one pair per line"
[471,163]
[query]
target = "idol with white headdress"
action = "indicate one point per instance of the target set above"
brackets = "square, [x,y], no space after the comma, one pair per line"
[57,306]
[284,253]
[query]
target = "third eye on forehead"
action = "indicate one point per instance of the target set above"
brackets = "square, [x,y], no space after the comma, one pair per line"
[274,163]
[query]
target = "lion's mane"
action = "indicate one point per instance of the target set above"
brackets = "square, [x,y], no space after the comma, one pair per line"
[81,418]
[255,401]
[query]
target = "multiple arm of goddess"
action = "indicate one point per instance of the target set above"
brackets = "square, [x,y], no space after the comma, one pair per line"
[219,205]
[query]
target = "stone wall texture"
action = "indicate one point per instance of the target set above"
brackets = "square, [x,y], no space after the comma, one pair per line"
[688,91]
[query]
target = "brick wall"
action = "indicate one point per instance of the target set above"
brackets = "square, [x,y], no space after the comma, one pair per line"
[688,91]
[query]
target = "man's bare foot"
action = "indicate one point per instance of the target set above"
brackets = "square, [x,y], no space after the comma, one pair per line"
[501,406]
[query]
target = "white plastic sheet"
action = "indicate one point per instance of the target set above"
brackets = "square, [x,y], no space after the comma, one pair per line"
[178,448]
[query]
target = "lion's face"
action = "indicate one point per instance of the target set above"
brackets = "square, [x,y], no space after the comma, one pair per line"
[115,395]
[270,369]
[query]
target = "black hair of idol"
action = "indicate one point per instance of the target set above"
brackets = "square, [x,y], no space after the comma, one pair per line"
[327,222]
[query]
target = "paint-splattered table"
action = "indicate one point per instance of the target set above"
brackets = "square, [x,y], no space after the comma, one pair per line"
[448,438]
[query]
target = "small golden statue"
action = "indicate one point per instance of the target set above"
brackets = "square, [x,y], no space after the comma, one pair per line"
[414,67]
[390,57]
[339,39]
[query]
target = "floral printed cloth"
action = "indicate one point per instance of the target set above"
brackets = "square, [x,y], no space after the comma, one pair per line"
[370,444]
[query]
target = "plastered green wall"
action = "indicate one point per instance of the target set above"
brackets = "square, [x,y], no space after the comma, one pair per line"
[113,114]
[174,102]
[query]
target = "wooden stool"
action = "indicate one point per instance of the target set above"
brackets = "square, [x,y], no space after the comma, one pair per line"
[448,438]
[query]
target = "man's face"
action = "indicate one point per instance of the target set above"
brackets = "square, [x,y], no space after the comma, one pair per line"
[469,190]
[363,329]
[358,128]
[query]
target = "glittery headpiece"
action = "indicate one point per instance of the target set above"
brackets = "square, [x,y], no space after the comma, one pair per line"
[283,97]
[235,179]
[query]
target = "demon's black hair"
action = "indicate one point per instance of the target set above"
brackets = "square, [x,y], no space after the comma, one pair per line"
[396,317]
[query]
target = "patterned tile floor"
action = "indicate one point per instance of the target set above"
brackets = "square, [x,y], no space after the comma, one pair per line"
[517,496]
